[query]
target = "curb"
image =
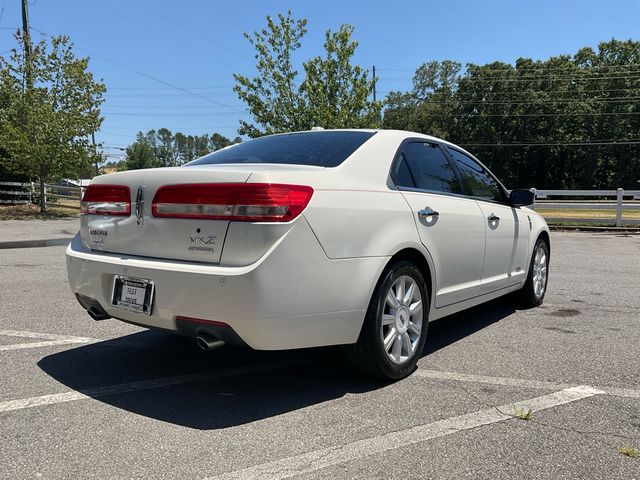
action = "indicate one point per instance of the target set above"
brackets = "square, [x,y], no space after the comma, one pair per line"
[50,242]
[568,228]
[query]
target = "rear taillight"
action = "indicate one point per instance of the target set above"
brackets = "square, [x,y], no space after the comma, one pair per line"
[106,200]
[244,202]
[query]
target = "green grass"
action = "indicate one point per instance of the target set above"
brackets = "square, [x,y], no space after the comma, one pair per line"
[31,212]
[591,213]
[629,452]
[523,413]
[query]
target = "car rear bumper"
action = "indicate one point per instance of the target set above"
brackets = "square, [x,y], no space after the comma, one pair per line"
[292,297]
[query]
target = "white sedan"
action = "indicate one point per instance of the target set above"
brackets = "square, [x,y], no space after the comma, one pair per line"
[336,237]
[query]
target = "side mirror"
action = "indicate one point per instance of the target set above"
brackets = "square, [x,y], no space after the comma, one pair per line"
[522,197]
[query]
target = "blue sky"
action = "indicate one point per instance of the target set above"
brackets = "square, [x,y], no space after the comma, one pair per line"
[197,45]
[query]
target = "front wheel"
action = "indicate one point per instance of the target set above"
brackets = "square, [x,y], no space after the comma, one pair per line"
[395,326]
[534,289]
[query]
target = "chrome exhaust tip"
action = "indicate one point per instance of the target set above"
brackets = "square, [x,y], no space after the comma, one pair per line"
[208,342]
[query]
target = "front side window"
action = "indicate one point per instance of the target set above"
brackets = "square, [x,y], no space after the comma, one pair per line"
[476,180]
[427,167]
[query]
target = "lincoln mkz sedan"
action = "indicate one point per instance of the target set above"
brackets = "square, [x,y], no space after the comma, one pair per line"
[332,237]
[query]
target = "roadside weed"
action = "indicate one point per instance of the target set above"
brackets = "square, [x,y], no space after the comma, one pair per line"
[523,413]
[629,452]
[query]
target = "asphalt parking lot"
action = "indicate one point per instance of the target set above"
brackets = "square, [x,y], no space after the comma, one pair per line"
[85,399]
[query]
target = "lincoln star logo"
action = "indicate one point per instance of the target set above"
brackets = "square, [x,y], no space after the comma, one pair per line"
[139,205]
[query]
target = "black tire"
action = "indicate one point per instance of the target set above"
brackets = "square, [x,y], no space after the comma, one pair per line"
[528,298]
[369,355]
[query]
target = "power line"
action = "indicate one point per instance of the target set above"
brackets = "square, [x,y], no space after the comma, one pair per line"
[545,92]
[151,77]
[514,68]
[190,29]
[481,115]
[516,79]
[165,88]
[479,103]
[186,46]
[171,114]
[614,100]
[549,144]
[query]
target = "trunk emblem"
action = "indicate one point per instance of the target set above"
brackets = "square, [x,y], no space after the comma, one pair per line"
[139,204]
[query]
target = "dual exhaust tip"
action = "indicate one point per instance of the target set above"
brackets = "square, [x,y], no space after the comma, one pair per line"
[204,340]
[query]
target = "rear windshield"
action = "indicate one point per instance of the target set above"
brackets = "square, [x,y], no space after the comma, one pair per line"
[322,149]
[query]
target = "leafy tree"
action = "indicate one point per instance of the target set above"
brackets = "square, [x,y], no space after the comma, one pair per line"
[272,96]
[337,93]
[161,148]
[568,122]
[334,93]
[50,106]
[217,141]
[140,154]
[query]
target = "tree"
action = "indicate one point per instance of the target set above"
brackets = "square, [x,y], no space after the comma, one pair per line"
[161,148]
[567,122]
[140,154]
[337,93]
[217,141]
[334,93]
[45,123]
[273,98]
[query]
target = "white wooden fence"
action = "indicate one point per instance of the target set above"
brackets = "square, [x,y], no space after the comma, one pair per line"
[619,206]
[29,192]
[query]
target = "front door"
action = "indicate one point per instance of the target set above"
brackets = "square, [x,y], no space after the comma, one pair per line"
[506,227]
[451,227]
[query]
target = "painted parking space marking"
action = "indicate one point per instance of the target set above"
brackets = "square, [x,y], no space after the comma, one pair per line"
[518,382]
[49,343]
[330,456]
[47,339]
[96,392]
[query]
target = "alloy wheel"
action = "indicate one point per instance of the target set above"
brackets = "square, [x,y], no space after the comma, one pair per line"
[401,324]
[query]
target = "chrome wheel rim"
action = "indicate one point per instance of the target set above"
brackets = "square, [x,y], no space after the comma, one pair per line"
[401,324]
[540,272]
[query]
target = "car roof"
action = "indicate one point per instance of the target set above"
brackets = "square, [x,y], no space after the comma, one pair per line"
[388,132]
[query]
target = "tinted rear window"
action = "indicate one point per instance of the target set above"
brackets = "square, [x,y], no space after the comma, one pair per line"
[322,149]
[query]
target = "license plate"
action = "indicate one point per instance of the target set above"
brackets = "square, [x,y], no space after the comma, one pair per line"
[132,294]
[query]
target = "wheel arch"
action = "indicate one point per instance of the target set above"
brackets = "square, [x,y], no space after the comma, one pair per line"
[416,257]
[545,236]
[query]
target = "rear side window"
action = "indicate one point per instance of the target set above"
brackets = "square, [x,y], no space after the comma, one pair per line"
[321,149]
[427,168]
[476,180]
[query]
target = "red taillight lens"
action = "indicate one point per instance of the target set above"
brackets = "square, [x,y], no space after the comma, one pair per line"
[244,202]
[106,200]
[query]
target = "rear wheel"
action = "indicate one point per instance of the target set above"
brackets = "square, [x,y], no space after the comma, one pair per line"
[395,326]
[532,294]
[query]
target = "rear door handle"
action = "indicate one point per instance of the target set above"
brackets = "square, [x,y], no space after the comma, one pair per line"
[494,218]
[427,212]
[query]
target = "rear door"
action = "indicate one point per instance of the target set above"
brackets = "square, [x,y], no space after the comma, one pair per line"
[451,227]
[506,227]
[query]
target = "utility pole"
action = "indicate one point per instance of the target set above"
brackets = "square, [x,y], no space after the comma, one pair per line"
[374,83]
[93,140]
[28,73]
[26,38]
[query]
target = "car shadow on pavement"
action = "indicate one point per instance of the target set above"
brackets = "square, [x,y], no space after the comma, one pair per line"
[239,385]
[448,330]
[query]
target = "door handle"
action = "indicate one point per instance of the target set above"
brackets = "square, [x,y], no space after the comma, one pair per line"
[427,212]
[494,218]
